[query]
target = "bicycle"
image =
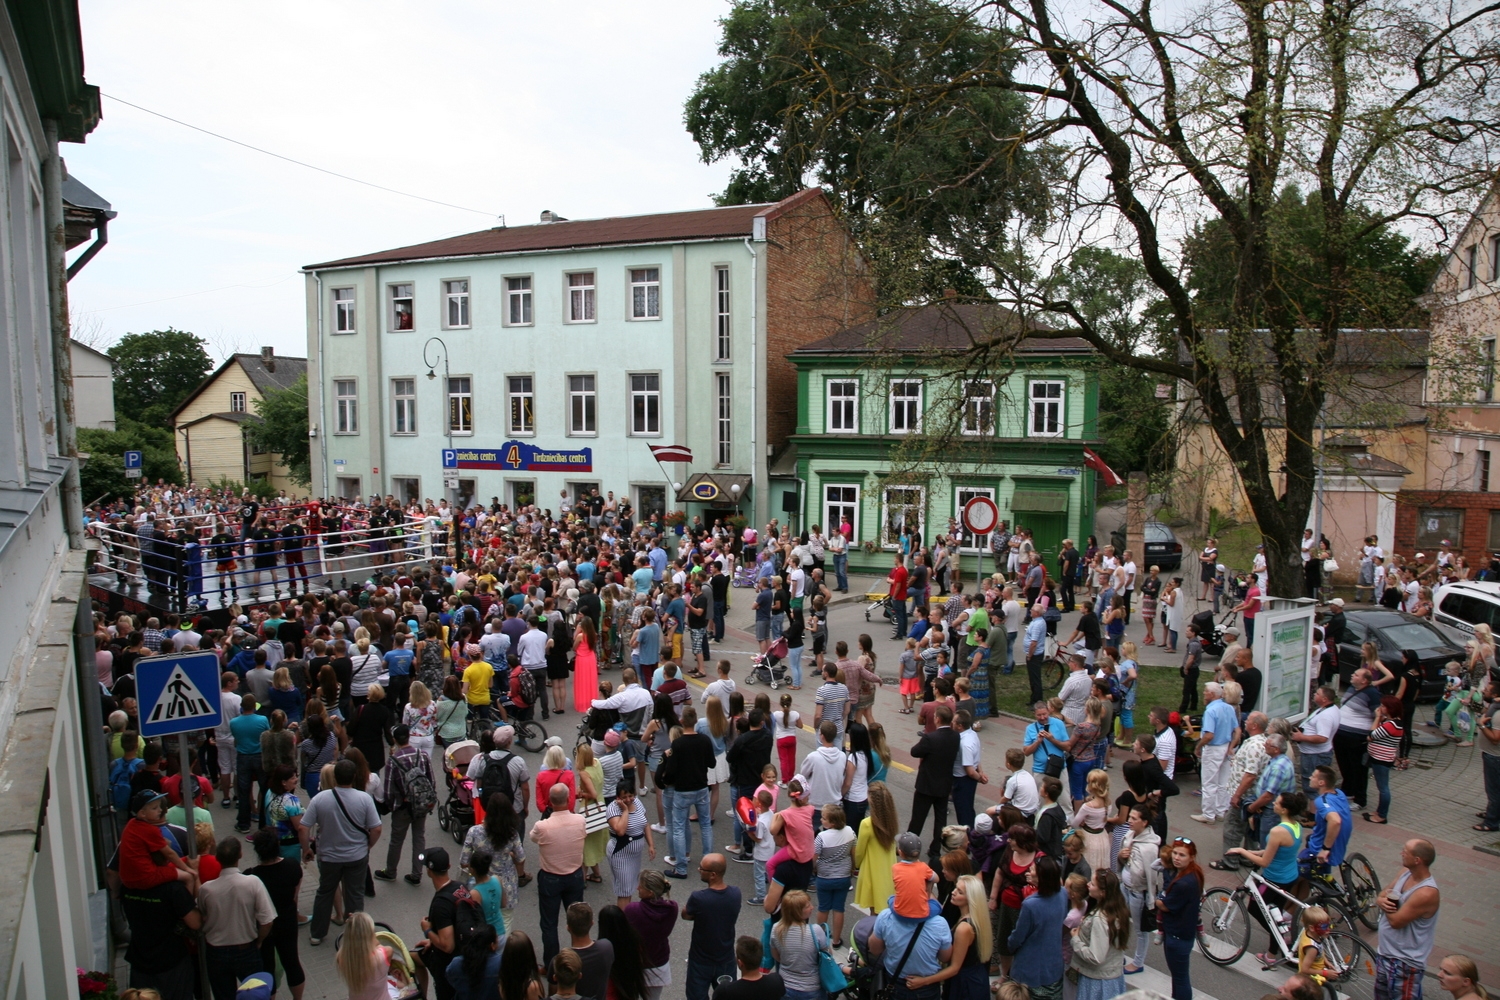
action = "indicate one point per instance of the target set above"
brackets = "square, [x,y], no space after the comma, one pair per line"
[1357,888]
[1224,933]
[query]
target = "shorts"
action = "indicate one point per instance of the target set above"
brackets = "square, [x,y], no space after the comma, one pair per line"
[820,644]
[720,773]
[225,747]
[698,640]
[676,646]
[911,685]
[762,629]
[832,893]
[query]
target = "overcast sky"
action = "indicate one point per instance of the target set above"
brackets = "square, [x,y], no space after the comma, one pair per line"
[504,107]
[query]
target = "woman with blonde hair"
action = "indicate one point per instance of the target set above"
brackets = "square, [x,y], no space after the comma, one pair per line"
[286,696]
[1369,660]
[1089,820]
[715,726]
[968,971]
[366,666]
[875,850]
[1460,976]
[590,777]
[795,945]
[362,961]
[370,729]
[420,716]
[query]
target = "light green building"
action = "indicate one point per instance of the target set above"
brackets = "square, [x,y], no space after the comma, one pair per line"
[900,422]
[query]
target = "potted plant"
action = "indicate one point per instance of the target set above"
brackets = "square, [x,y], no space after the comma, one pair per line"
[675,520]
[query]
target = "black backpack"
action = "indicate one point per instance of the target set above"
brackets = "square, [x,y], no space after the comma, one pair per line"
[468,916]
[496,778]
[527,687]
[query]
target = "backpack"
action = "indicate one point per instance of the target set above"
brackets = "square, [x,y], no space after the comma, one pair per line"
[416,785]
[120,773]
[528,688]
[468,916]
[496,775]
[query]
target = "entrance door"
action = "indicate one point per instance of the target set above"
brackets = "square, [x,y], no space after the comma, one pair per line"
[1047,532]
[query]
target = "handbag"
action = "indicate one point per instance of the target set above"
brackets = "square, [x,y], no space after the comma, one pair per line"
[1148,916]
[594,818]
[1054,765]
[1330,565]
[829,972]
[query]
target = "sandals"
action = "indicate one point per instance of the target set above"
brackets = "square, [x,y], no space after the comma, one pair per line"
[591,877]
[1485,828]
[1374,819]
[1220,866]
[524,880]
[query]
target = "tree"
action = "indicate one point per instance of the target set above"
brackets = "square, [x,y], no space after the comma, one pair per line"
[280,427]
[1383,113]
[103,476]
[156,371]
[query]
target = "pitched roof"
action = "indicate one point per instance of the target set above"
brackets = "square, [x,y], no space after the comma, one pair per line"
[288,370]
[944,327]
[730,222]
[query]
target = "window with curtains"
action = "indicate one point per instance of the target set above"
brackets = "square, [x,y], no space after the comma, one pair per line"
[521,396]
[581,297]
[518,301]
[645,293]
[583,405]
[461,405]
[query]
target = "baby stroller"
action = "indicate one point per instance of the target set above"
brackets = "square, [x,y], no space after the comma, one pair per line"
[745,576]
[401,979]
[456,814]
[770,666]
[866,975]
[1210,632]
[880,600]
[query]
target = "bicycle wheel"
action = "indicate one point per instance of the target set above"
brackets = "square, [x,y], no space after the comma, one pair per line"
[531,737]
[1351,974]
[1361,888]
[1055,673]
[1223,927]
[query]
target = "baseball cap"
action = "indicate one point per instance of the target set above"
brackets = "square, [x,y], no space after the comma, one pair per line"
[1337,602]
[611,739]
[1232,631]
[435,859]
[552,741]
[144,798]
[256,986]
[909,843]
[504,736]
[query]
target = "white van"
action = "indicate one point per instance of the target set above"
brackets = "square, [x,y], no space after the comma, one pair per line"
[1458,607]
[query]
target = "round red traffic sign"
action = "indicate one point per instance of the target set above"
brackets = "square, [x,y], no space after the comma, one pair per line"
[981,515]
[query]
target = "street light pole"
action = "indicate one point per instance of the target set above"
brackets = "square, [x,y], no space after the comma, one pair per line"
[449,492]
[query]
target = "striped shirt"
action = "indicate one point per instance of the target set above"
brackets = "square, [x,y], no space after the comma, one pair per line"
[833,853]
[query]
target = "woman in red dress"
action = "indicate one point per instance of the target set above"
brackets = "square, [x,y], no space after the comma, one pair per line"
[585,664]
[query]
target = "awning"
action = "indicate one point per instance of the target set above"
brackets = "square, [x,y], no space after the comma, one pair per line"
[716,488]
[1039,501]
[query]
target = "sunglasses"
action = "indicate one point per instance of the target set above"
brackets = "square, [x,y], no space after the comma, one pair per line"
[1182,840]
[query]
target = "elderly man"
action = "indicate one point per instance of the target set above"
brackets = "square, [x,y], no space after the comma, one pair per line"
[237,917]
[559,838]
[1036,651]
[1315,735]
[1275,778]
[1245,767]
[1220,724]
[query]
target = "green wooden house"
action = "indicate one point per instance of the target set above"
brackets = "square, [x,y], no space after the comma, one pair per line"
[903,420]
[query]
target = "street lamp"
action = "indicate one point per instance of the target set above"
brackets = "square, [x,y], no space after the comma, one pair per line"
[451,492]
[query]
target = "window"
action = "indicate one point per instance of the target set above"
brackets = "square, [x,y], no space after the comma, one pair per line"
[906,407]
[1046,409]
[904,507]
[1482,470]
[522,400]
[1493,544]
[723,439]
[649,500]
[583,405]
[403,406]
[645,404]
[522,492]
[518,301]
[841,501]
[407,489]
[1487,371]
[348,487]
[581,297]
[456,304]
[401,307]
[645,293]
[460,405]
[1495,258]
[346,406]
[979,407]
[236,402]
[1471,265]
[843,406]
[960,498]
[1434,525]
[343,310]
[721,313]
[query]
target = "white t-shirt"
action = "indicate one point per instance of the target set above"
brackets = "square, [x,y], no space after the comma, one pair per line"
[1015,615]
[1020,790]
[1307,545]
[1166,751]
[778,729]
[1130,571]
[796,580]
[1324,722]
[765,844]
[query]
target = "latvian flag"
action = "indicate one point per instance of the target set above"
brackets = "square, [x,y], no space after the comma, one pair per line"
[671,453]
[1093,461]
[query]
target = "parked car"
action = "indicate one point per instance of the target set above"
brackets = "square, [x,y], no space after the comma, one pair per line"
[1392,632]
[1162,547]
[1461,606]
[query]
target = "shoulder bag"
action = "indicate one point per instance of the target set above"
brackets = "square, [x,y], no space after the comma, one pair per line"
[829,972]
[345,811]
[888,991]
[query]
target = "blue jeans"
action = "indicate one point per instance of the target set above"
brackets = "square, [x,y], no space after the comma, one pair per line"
[841,571]
[1311,761]
[1491,789]
[227,966]
[900,609]
[247,772]
[681,833]
[1382,774]
[1249,632]
[702,975]
[554,892]
[1179,955]
[794,664]
[1010,652]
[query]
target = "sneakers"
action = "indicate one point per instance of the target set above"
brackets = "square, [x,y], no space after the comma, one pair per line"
[385,874]
[1201,818]
[226,804]
[756,901]
[673,873]
[658,827]
[412,879]
[743,858]
[314,941]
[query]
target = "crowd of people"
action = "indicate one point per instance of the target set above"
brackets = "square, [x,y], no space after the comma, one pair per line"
[337,707]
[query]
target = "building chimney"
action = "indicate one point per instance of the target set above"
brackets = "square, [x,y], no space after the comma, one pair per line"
[550,216]
[950,294]
[268,358]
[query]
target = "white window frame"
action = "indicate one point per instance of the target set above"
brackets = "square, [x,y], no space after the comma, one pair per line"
[834,403]
[403,407]
[582,300]
[906,400]
[520,387]
[961,496]
[410,298]
[649,398]
[399,495]
[643,281]
[459,388]
[456,300]
[1036,405]
[1487,370]
[978,410]
[892,541]
[723,316]
[584,396]
[346,405]
[519,299]
[833,508]
[723,420]
[238,403]
[344,314]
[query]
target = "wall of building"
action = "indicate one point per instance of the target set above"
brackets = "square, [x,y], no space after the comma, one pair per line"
[216,448]
[93,389]
[1475,538]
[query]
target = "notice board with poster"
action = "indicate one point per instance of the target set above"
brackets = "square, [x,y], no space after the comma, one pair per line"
[1283,651]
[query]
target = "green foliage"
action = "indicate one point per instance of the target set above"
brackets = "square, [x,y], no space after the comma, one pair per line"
[280,427]
[261,489]
[104,475]
[156,371]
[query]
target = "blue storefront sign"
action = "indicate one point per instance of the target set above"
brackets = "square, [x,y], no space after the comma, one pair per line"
[520,456]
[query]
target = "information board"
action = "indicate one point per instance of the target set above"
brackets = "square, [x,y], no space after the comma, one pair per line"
[1283,652]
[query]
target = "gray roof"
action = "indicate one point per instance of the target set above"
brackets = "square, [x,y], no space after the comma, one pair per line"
[288,370]
[80,195]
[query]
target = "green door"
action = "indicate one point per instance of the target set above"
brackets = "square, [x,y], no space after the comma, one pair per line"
[1045,512]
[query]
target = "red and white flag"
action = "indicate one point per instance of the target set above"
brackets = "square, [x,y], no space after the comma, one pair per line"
[1093,461]
[671,453]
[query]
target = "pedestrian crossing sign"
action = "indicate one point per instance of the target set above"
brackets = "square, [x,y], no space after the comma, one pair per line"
[178,693]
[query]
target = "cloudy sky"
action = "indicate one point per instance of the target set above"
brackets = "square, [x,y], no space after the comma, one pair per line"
[502,107]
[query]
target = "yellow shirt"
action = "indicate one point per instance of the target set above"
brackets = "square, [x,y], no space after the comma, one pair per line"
[478,676]
[1319,964]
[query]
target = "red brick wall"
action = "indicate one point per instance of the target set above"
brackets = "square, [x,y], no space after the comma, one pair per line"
[1473,546]
[816,285]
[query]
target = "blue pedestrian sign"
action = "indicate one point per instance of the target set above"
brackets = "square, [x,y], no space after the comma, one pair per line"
[450,458]
[178,693]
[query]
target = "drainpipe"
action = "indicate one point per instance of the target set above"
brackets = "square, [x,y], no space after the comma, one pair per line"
[755,407]
[62,361]
[322,416]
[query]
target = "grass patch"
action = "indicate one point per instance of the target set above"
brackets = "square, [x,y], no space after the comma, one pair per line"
[1158,686]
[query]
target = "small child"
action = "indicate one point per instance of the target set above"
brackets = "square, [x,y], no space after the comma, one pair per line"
[916,884]
[765,844]
[797,790]
[567,969]
[833,856]
[963,700]
[1020,788]
[769,784]
[911,677]
[146,860]
[943,670]
[1077,888]
[1316,926]
[489,890]
[1073,860]
[1453,683]
[984,846]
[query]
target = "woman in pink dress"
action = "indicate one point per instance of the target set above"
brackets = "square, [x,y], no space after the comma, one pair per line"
[585,664]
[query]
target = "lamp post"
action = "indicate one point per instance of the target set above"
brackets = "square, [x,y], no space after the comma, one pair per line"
[449,492]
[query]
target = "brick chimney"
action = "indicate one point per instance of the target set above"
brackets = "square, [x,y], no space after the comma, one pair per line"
[268,358]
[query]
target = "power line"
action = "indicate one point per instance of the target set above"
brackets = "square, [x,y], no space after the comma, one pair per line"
[300,163]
